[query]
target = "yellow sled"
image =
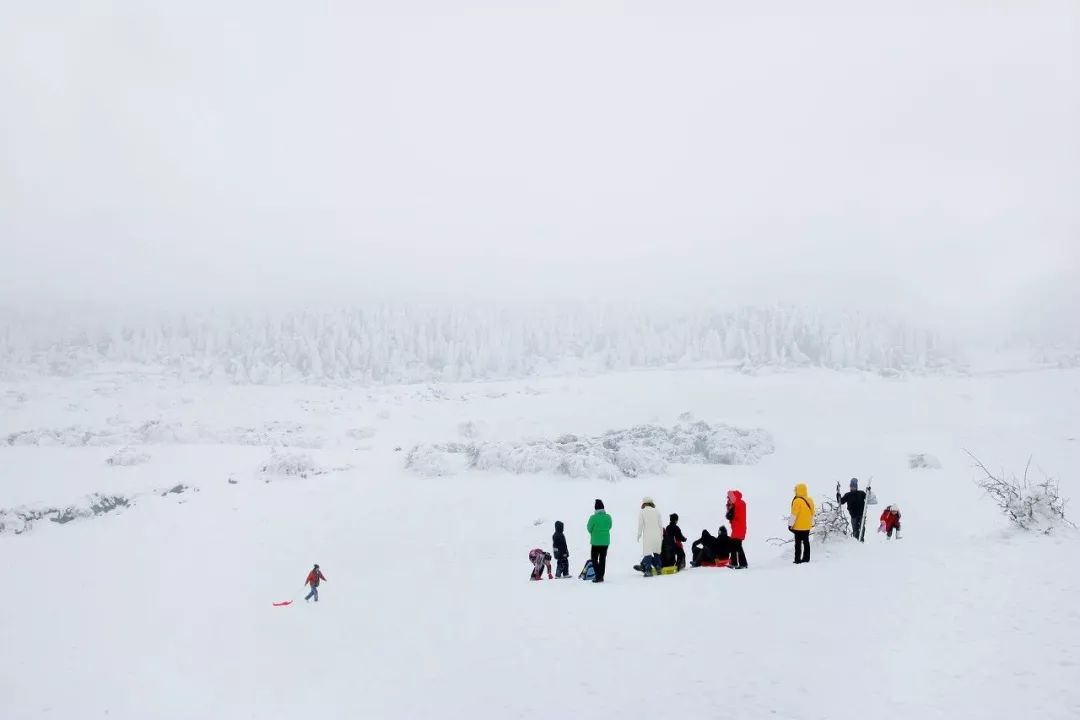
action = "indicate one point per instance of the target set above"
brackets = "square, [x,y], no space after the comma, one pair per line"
[669,570]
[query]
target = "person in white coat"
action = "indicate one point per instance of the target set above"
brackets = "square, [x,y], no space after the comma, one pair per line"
[650,531]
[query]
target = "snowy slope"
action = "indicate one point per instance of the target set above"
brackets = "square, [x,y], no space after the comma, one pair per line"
[163,609]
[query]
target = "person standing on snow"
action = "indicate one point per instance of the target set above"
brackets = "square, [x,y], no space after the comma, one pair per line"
[855,499]
[599,527]
[562,555]
[313,579]
[802,521]
[650,531]
[736,515]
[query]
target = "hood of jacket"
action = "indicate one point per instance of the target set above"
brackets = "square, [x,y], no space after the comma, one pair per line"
[800,490]
[558,526]
[734,496]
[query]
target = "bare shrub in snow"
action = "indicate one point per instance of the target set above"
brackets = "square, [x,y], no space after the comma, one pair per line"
[126,457]
[293,464]
[640,450]
[830,522]
[923,461]
[1030,505]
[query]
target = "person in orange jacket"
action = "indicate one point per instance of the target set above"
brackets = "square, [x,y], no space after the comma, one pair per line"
[313,579]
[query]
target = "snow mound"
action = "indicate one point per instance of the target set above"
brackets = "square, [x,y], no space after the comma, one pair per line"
[291,464]
[21,519]
[126,457]
[640,450]
[922,461]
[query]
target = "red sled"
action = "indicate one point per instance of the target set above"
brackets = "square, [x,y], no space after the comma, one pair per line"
[283,603]
[715,563]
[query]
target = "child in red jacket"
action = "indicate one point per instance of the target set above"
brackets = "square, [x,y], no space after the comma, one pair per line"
[890,520]
[313,579]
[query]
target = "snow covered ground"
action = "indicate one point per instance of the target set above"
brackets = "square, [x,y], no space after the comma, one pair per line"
[162,608]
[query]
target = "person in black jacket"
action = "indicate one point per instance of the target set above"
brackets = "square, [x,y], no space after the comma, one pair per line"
[703,549]
[723,544]
[671,550]
[562,555]
[707,548]
[855,499]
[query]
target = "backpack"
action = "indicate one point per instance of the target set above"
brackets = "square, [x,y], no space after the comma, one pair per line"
[588,572]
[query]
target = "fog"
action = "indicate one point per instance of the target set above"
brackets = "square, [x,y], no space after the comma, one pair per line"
[154,154]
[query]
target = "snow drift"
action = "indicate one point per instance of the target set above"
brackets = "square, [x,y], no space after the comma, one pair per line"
[640,450]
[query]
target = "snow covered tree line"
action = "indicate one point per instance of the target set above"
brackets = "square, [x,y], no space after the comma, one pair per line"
[423,343]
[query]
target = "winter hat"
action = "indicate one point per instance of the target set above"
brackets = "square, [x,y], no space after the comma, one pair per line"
[895,509]
[598,505]
[674,517]
[316,566]
[854,483]
[647,501]
[558,526]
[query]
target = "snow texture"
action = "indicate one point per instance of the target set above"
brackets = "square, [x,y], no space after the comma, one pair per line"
[157,432]
[640,450]
[923,461]
[126,457]
[163,609]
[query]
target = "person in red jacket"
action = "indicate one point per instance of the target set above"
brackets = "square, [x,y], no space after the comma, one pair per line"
[736,515]
[890,520]
[313,579]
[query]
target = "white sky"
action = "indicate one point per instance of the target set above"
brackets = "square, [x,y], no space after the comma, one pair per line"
[235,150]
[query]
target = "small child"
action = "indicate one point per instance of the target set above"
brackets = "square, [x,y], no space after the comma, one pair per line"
[562,555]
[890,520]
[672,549]
[540,560]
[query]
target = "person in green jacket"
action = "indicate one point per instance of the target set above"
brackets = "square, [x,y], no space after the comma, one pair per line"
[599,527]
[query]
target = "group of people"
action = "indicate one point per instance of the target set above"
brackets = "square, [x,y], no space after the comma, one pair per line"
[663,546]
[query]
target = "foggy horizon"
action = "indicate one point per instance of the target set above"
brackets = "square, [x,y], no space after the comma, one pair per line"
[923,165]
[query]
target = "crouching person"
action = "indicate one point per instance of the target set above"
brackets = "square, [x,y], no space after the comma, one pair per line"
[890,521]
[540,561]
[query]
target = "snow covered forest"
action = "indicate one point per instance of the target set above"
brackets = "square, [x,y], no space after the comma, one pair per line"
[423,343]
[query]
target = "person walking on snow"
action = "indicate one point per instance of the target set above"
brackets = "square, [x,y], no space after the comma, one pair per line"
[562,555]
[802,521]
[313,579]
[599,527]
[890,520]
[650,531]
[736,515]
[855,499]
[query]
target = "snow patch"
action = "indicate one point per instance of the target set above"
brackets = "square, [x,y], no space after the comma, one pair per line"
[923,461]
[126,457]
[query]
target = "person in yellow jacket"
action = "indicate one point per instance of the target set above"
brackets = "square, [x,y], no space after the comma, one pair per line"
[802,520]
